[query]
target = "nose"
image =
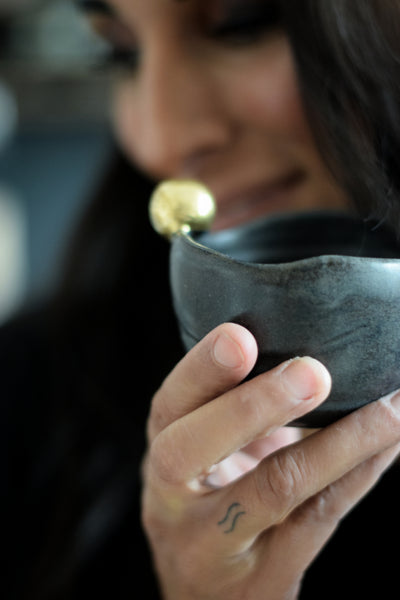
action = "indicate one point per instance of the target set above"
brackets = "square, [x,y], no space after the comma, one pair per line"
[181,122]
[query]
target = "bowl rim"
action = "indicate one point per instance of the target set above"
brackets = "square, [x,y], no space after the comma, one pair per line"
[193,239]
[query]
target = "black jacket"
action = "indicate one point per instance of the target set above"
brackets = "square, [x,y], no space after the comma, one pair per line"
[77,376]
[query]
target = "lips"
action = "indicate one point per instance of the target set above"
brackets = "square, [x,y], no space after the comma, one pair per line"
[257,200]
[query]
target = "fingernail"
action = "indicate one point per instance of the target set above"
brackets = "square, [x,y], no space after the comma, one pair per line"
[300,378]
[227,352]
[393,400]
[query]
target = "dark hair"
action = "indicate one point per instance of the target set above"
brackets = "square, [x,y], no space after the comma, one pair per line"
[348,58]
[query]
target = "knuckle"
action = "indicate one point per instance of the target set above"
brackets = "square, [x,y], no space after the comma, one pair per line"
[282,483]
[251,408]
[284,476]
[377,424]
[325,508]
[322,512]
[156,417]
[160,414]
[163,460]
[248,407]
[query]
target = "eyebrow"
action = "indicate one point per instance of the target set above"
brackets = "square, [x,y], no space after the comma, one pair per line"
[100,6]
[95,6]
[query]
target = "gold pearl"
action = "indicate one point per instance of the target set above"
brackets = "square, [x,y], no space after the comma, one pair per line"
[181,206]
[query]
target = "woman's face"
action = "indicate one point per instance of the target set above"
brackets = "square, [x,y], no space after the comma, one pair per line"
[210,92]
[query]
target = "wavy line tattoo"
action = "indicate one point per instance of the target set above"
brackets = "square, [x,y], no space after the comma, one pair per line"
[233,513]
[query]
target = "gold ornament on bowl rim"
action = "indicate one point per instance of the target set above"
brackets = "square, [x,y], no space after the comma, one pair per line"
[181,206]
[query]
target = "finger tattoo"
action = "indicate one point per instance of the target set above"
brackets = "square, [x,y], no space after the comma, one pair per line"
[231,517]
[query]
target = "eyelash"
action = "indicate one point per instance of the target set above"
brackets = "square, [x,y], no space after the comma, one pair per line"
[241,31]
[120,58]
[248,29]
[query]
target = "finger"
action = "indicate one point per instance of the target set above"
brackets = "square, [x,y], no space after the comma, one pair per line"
[284,481]
[267,445]
[315,521]
[332,504]
[230,469]
[217,363]
[239,463]
[189,447]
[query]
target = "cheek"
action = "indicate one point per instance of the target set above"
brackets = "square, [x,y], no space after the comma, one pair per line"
[270,100]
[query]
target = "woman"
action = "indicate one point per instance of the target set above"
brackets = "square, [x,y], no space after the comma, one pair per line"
[210,92]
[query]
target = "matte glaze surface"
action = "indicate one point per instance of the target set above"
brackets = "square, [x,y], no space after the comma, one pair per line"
[305,285]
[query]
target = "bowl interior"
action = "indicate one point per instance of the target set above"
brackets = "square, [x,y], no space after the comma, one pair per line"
[286,238]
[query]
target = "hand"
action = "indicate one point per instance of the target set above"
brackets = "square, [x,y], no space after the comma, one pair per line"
[223,522]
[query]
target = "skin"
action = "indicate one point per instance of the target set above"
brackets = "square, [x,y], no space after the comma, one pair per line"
[231,115]
[288,505]
[185,112]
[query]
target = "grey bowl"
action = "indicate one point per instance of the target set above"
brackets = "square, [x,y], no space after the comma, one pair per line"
[325,285]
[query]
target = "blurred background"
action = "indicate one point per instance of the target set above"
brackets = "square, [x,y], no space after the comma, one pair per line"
[54,139]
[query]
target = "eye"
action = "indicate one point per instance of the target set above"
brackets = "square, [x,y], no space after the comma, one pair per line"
[121,52]
[121,59]
[247,23]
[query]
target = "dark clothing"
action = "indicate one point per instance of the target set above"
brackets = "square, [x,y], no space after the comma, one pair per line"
[71,475]
[76,384]
[77,377]
[71,480]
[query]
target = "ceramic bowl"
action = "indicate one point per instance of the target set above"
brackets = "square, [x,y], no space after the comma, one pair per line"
[325,285]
